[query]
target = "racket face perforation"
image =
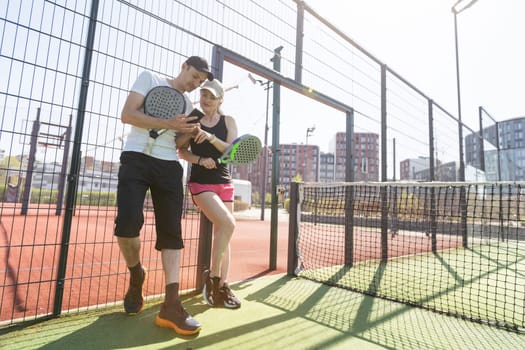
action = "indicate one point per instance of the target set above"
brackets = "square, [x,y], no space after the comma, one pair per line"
[246,150]
[164,102]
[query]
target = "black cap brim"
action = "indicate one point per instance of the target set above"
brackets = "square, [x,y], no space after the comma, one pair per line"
[201,65]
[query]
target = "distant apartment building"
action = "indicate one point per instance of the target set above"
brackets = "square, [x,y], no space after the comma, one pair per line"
[310,165]
[296,160]
[446,172]
[412,169]
[503,150]
[327,167]
[366,156]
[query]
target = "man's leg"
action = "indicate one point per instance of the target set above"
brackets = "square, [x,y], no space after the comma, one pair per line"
[171,265]
[131,191]
[134,298]
[130,250]
[172,314]
[167,195]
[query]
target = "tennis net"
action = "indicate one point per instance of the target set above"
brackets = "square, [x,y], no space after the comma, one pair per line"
[454,248]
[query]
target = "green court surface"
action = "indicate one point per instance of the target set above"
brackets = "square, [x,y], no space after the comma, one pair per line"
[482,283]
[278,312]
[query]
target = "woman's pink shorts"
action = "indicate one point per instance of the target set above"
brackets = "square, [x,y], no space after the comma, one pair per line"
[224,191]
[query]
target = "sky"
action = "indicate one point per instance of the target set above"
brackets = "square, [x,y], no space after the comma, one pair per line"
[415,38]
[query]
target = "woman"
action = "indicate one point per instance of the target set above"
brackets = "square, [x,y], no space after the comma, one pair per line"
[212,190]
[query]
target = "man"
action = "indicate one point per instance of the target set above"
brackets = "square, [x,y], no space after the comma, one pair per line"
[161,173]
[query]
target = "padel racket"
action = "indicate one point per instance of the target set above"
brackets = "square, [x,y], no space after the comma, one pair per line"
[162,102]
[244,149]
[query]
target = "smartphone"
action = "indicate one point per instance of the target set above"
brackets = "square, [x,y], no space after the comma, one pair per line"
[196,113]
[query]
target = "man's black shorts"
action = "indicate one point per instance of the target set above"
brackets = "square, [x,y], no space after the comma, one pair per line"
[138,173]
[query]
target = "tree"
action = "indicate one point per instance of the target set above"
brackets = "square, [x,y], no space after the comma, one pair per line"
[297,178]
[7,167]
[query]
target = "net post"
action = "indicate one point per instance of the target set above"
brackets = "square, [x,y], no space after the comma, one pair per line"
[293,226]
[501,235]
[433,221]
[349,225]
[383,190]
[463,213]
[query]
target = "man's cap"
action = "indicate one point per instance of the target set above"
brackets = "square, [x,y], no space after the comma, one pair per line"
[200,64]
[215,87]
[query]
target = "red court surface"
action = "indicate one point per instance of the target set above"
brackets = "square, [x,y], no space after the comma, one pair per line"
[96,274]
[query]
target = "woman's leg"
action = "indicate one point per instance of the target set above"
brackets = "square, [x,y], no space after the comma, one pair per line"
[220,214]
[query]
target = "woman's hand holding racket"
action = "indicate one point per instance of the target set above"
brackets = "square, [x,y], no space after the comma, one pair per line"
[208,163]
[243,150]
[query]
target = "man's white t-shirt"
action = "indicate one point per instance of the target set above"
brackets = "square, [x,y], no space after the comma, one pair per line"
[164,145]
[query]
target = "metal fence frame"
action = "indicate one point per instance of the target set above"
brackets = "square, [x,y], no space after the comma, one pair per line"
[223,51]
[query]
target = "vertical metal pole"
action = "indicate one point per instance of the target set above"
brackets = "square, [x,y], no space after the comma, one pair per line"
[481,141]
[75,161]
[460,123]
[265,155]
[349,161]
[293,227]
[432,161]
[217,62]
[275,159]
[384,162]
[299,34]
[498,151]
[431,141]
[205,225]
[394,159]
[204,248]
[462,193]
[349,190]
[394,189]
[63,170]
[384,146]
[26,194]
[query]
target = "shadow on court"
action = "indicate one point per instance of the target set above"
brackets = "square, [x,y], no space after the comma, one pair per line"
[278,312]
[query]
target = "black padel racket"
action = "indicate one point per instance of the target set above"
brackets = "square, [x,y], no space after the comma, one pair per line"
[162,102]
[244,150]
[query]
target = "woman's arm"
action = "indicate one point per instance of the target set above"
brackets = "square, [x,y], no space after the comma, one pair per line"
[231,127]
